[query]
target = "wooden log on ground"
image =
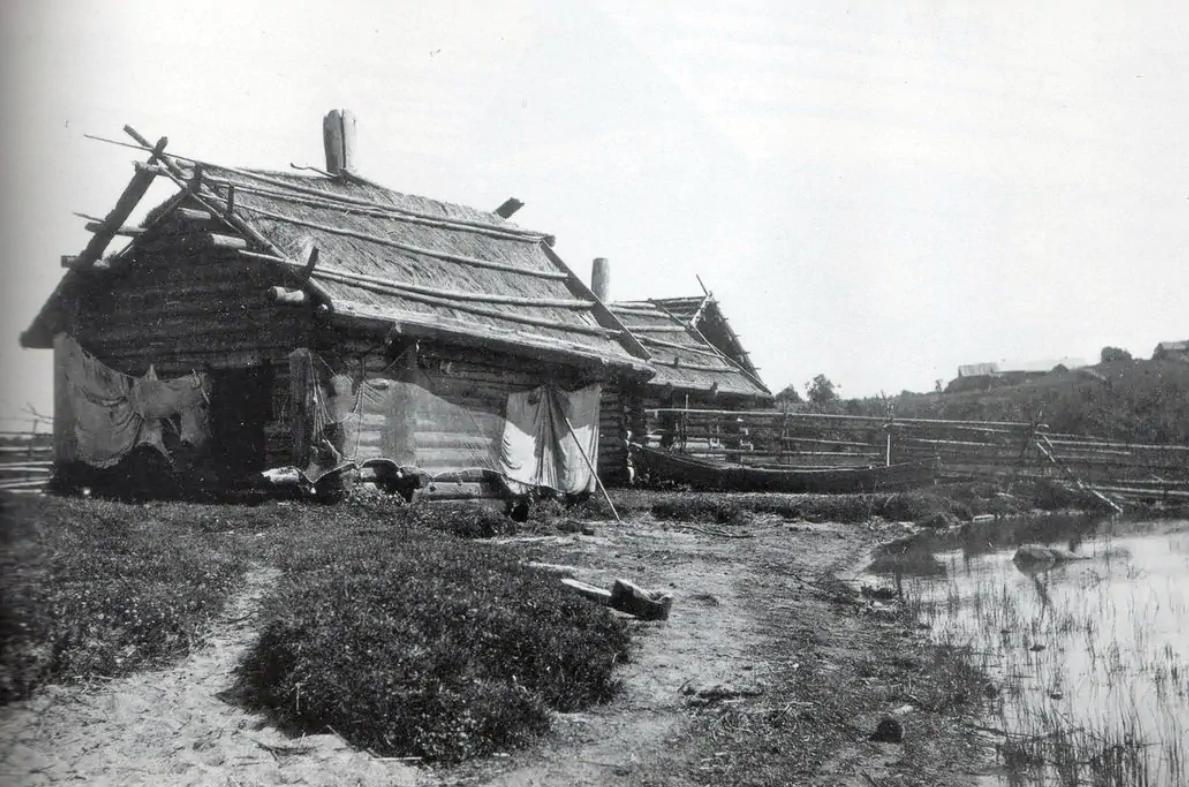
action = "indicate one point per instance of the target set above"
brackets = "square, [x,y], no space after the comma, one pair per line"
[597,594]
[634,600]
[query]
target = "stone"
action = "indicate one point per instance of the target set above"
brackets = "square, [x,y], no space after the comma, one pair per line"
[939,521]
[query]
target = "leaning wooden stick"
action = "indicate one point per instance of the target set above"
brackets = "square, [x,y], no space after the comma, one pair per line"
[593,472]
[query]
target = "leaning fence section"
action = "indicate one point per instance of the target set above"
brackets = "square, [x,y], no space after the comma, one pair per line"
[26,458]
[963,450]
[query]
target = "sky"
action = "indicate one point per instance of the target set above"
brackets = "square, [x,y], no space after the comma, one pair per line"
[874,191]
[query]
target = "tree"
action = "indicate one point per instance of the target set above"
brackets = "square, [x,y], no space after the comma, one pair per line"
[789,395]
[821,390]
[1114,354]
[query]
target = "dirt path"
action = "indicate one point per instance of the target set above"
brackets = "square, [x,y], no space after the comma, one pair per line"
[171,727]
[770,615]
[765,615]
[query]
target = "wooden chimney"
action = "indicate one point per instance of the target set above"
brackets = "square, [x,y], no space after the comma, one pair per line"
[600,278]
[338,135]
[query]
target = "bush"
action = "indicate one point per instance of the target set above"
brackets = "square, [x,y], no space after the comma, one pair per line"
[429,647]
[464,520]
[93,588]
[692,507]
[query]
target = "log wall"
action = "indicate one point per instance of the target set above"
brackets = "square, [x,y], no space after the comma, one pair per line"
[178,304]
[479,381]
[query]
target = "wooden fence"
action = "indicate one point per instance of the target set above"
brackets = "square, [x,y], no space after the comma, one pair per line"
[26,458]
[965,450]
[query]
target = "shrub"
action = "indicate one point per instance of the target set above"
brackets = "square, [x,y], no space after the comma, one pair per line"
[466,520]
[723,509]
[93,588]
[430,646]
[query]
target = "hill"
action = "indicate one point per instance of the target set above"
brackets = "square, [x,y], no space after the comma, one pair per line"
[1130,401]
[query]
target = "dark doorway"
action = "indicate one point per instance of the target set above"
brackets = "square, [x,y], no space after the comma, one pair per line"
[241,405]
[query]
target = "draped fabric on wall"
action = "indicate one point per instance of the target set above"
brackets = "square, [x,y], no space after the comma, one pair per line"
[401,417]
[111,413]
[549,436]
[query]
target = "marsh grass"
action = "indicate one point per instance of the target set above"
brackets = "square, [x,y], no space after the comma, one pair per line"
[1094,676]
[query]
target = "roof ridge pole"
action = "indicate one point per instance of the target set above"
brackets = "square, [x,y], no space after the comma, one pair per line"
[233,220]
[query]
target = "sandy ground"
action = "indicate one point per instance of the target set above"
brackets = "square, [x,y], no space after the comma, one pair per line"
[171,727]
[734,600]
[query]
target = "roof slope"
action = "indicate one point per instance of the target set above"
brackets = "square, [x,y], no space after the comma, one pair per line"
[704,315]
[430,268]
[415,260]
[683,357]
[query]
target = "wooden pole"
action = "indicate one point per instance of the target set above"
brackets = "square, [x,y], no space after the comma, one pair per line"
[504,231]
[591,467]
[127,202]
[421,250]
[176,174]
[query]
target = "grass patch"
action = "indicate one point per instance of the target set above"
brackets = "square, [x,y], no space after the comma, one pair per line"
[726,508]
[425,645]
[91,588]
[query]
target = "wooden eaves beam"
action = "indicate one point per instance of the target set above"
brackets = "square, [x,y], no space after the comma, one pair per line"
[198,191]
[127,203]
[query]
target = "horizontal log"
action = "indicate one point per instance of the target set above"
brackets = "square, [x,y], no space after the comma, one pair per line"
[429,320]
[381,240]
[288,189]
[226,241]
[288,297]
[383,285]
[509,343]
[153,170]
[658,329]
[195,216]
[1136,491]
[123,231]
[27,468]
[744,452]
[76,263]
[23,486]
[648,341]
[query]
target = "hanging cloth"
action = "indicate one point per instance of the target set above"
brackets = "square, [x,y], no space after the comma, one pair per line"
[113,413]
[539,449]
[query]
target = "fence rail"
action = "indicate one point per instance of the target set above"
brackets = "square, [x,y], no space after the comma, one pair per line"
[963,449]
[26,459]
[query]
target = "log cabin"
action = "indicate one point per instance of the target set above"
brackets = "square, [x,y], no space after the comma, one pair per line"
[699,363]
[304,297]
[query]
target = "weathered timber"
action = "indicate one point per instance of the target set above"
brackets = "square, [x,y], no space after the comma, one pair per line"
[634,600]
[123,231]
[378,284]
[376,210]
[659,329]
[227,241]
[127,202]
[380,240]
[592,592]
[287,297]
[195,216]
[209,202]
[648,341]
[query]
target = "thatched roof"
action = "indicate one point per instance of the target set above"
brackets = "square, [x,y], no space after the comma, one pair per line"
[703,314]
[682,356]
[430,268]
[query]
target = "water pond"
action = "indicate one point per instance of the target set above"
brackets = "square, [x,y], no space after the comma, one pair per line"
[1086,643]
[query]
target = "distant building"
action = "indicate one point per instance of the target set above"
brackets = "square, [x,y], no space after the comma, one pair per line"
[1172,351]
[983,376]
[978,370]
